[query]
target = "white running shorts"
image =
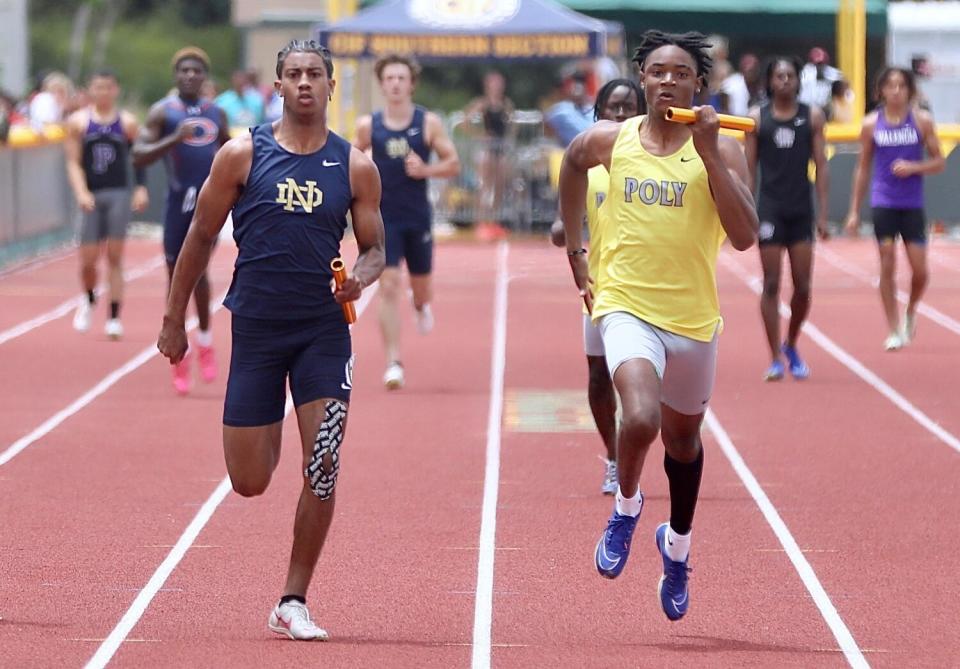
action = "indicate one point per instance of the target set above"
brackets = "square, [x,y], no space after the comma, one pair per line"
[592,339]
[686,367]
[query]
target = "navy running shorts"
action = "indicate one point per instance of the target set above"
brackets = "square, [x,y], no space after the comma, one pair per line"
[784,228]
[176,220]
[411,243]
[315,354]
[909,224]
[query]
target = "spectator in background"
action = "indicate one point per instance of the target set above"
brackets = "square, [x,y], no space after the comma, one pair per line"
[753,78]
[817,77]
[920,66]
[495,110]
[574,112]
[735,90]
[9,116]
[242,103]
[50,105]
[841,102]
[722,69]
[208,90]
[274,109]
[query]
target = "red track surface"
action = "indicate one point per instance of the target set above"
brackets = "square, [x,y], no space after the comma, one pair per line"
[92,507]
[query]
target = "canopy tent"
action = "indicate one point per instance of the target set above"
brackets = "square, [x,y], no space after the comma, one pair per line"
[472,29]
[748,18]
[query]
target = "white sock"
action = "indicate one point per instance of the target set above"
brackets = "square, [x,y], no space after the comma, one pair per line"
[629,506]
[204,338]
[677,545]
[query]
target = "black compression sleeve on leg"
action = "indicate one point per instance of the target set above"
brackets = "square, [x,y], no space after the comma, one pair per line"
[684,480]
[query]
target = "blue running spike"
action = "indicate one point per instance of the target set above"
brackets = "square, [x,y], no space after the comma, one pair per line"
[672,589]
[613,549]
[798,368]
[774,371]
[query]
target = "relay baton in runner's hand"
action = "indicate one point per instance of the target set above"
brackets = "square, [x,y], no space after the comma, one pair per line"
[339,276]
[681,115]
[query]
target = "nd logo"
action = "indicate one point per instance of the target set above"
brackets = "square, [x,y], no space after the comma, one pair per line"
[291,194]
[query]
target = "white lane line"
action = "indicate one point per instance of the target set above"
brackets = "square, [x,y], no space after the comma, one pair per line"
[99,389]
[66,307]
[483,608]
[903,297]
[851,363]
[118,635]
[820,597]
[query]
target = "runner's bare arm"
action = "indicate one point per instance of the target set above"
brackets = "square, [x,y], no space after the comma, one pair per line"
[818,120]
[367,226]
[364,133]
[131,129]
[73,148]
[729,184]
[935,162]
[588,149]
[750,148]
[728,176]
[151,146]
[219,193]
[447,164]
[224,134]
[861,173]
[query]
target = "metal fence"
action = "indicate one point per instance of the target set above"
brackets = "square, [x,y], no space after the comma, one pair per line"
[36,206]
[504,180]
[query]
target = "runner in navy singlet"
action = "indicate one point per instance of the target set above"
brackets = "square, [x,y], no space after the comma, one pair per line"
[290,185]
[186,131]
[401,137]
[892,141]
[98,163]
[789,135]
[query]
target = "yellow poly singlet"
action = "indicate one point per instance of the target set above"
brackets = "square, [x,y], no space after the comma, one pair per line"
[661,238]
[597,182]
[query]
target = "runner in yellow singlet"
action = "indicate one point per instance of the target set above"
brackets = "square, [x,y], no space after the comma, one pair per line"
[617,100]
[675,193]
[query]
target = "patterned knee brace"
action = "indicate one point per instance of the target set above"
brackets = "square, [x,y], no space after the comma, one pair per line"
[325,463]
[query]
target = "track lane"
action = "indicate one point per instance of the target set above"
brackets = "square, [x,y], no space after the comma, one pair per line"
[551,607]
[395,584]
[855,478]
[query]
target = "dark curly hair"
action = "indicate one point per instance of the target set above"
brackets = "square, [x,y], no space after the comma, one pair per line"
[305,46]
[694,43]
[603,95]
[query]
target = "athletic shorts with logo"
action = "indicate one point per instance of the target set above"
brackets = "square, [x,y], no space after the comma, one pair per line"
[686,367]
[177,216]
[412,242]
[315,354]
[784,228]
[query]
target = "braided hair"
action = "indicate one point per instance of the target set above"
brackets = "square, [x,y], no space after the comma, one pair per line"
[694,43]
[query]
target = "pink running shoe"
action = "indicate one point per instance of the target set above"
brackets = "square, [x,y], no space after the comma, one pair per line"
[208,363]
[181,375]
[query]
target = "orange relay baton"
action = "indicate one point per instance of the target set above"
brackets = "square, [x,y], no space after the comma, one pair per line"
[681,115]
[339,276]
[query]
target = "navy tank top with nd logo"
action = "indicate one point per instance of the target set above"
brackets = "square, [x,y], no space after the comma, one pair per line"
[288,224]
[188,163]
[404,200]
[105,149]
